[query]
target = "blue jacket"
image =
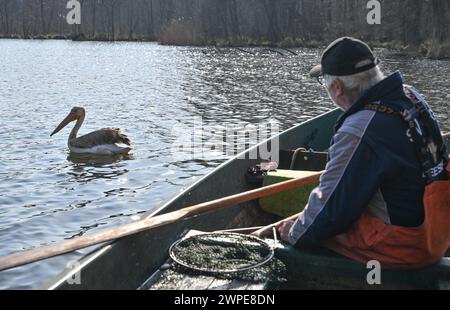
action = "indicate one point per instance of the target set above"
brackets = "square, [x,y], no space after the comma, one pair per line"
[373,165]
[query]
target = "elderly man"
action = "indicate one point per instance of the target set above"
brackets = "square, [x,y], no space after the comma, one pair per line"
[386,149]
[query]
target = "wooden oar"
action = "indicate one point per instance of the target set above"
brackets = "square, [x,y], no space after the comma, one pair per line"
[246,230]
[25,257]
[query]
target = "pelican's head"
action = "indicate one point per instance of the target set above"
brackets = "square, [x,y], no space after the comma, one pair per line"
[75,114]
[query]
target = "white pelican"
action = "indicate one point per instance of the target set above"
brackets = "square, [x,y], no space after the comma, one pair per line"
[100,142]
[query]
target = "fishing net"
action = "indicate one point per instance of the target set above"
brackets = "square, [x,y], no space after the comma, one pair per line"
[221,252]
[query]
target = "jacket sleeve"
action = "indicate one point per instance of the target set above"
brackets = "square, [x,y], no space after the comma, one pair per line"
[353,175]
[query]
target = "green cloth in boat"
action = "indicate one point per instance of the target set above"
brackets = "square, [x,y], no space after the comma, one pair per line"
[289,202]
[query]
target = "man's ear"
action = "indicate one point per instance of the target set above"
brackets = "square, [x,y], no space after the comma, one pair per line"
[339,88]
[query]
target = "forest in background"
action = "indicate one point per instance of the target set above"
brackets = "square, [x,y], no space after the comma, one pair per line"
[410,25]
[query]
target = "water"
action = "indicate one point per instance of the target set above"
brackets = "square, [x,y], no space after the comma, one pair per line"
[46,195]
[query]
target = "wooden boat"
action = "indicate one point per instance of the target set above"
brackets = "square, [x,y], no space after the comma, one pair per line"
[128,263]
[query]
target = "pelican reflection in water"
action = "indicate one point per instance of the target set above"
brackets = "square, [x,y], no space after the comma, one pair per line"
[100,142]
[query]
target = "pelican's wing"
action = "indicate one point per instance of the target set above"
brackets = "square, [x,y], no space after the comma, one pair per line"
[99,137]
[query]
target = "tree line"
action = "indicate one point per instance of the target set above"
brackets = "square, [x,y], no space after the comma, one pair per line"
[409,24]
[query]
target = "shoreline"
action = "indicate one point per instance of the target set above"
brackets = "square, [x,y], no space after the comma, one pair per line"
[399,49]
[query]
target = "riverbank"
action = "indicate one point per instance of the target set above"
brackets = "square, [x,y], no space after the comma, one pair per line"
[410,26]
[398,49]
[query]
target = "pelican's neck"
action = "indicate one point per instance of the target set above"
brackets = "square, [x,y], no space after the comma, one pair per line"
[74,132]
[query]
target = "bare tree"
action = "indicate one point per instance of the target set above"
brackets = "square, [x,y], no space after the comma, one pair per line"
[132,20]
[4,12]
[112,6]
[42,16]
[94,16]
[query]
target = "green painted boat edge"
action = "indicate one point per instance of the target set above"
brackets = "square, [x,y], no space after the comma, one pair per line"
[326,265]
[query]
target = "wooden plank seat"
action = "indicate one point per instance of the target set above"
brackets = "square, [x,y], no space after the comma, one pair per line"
[289,202]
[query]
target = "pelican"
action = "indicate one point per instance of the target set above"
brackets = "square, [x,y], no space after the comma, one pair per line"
[100,142]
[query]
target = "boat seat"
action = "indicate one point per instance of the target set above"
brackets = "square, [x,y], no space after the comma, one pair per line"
[322,268]
[289,202]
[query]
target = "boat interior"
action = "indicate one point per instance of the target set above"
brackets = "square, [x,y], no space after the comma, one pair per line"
[304,269]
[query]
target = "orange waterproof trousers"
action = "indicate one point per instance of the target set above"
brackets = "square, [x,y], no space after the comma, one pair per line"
[399,247]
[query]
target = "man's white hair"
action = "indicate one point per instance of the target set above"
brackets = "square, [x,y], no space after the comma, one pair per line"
[355,85]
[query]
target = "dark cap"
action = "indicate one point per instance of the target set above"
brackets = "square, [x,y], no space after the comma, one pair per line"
[345,56]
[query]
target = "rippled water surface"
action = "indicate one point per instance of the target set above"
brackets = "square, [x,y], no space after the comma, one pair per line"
[148,90]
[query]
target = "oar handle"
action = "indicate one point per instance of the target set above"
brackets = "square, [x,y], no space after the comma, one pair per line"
[266,231]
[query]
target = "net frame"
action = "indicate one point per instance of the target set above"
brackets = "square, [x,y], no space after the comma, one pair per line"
[264,244]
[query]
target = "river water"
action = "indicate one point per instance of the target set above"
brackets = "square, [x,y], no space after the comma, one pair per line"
[153,93]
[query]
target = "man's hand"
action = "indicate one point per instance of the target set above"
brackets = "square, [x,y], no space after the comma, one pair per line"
[284,228]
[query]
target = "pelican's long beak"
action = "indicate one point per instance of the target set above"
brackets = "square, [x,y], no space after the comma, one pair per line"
[70,118]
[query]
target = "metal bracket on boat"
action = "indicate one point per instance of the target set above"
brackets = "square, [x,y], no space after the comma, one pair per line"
[294,157]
